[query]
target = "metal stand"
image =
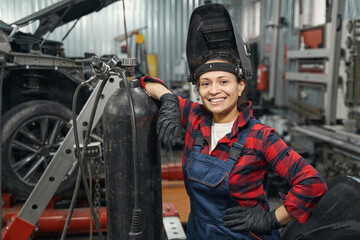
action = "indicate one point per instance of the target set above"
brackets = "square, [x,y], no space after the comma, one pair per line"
[63,162]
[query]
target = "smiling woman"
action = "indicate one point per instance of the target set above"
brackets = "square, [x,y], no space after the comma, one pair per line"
[227,151]
[220,92]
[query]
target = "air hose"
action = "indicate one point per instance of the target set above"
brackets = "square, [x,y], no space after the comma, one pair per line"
[81,171]
[136,223]
[78,178]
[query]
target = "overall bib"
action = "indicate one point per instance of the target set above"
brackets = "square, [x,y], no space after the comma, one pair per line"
[207,183]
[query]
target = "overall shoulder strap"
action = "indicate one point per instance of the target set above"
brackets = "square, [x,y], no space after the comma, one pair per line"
[199,140]
[237,147]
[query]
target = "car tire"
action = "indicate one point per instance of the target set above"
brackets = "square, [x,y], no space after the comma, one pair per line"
[31,134]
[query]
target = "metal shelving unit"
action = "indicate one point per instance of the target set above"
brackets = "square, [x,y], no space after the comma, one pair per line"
[331,54]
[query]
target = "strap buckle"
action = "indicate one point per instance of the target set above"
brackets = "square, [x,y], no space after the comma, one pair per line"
[199,140]
[235,151]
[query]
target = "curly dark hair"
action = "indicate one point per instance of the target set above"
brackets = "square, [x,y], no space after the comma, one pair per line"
[230,59]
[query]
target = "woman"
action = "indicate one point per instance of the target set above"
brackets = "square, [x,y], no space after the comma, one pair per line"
[226,155]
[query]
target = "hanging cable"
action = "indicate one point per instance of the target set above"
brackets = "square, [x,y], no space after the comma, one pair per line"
[136,223]
[81,171]
[90,186]
[78,178]
[126,36]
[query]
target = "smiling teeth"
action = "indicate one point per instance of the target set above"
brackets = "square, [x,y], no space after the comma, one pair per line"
[217,100]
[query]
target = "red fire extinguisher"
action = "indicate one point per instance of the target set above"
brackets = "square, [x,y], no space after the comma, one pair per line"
[262,77]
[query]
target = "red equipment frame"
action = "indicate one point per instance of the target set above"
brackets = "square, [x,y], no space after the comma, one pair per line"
[52,221]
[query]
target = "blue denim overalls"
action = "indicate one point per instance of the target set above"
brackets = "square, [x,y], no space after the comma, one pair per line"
[207,184]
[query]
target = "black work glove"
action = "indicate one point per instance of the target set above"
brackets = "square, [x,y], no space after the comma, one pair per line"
[240,219]
[168,125]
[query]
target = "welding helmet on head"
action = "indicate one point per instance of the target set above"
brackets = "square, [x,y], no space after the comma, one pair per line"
[212,32]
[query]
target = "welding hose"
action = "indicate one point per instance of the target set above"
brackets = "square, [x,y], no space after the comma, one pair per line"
[82,155]
[81,171]
[136,223]
[78,178]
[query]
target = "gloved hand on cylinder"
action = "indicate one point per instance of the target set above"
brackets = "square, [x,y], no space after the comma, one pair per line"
[240,219]
[168,125]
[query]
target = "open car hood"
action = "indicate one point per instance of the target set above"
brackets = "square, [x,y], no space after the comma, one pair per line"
[61,13]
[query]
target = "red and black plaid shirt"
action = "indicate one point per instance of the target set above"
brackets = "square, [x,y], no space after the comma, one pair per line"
[263,149]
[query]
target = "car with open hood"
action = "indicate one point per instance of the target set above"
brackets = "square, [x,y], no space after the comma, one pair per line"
[38,83]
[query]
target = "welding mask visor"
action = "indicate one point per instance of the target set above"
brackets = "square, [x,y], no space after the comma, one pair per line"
[212,32]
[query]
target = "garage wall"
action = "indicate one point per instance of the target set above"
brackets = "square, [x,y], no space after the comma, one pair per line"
[164,24]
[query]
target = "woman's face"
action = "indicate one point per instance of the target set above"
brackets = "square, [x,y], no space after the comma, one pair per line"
[219,92]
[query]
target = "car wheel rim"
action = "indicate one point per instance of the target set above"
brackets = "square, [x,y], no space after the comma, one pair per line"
[34,144]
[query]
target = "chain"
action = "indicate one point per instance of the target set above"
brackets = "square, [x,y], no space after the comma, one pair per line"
[97,195]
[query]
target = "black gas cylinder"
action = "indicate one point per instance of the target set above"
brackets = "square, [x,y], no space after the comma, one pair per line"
[119,169]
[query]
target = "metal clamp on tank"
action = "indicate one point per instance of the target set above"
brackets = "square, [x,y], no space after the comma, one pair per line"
[129,64]
[101,69]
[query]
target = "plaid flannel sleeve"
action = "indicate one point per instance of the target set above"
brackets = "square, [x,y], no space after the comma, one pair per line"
[307,186]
